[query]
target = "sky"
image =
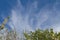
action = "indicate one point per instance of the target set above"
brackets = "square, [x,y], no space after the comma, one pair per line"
[30,15]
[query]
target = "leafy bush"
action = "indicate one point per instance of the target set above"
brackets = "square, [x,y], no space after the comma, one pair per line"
[42,35]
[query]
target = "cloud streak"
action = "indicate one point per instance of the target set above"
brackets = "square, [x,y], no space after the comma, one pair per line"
[31,18]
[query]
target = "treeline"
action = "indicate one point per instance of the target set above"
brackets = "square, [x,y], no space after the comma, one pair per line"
[42,35]
[35,35]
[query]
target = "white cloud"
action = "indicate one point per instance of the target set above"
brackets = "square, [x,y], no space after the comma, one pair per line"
[56,27]
[17,19]
[21,22]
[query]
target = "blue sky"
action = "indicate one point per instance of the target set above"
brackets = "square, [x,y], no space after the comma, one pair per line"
[31,14]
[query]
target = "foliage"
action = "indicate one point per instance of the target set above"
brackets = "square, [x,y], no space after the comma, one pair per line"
[42,35]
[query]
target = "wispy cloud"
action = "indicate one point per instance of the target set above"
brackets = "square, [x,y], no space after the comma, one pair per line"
[29,19]
[21,21]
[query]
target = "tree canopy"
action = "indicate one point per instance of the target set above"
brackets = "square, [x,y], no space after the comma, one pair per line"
[42,35]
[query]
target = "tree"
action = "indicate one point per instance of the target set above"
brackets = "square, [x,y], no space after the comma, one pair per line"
[42,35]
